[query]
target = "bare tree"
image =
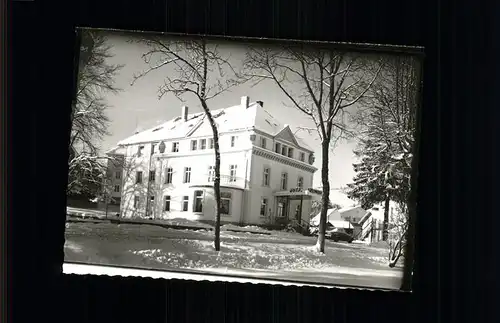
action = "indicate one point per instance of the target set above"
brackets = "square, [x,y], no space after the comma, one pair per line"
[322,84]
[200,70]
[89,120]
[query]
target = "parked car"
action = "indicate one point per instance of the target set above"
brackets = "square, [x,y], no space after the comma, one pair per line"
[339,234]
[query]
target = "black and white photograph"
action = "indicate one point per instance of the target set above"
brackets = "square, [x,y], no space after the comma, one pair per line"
[237,160]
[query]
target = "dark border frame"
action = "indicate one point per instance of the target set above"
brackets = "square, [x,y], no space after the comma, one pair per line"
[448,37]
[396,50]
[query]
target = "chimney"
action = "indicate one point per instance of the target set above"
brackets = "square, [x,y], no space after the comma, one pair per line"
[184,113]
[245,101]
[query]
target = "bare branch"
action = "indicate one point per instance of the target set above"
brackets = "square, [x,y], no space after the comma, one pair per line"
[355,100]
[152,68]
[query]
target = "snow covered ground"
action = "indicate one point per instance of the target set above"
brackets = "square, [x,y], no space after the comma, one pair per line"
[280,255]
[254,255]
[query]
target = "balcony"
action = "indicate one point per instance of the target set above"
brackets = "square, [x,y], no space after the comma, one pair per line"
[225,181]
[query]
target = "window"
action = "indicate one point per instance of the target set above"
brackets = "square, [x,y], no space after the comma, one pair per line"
[277,148]
[225,203]
[117,189]
[185,203]
[211,143]
[194,144]
[211,173]
[198,201]
[263,142]
[136,201]
[175,147]
[233,141]
[153,146]
[166,203]
[267,176]
[283,150]
[263,206]
[232,173]
[302,157]
[118,175]
[140,150]
[187,174]
[203,144]
[281,210]
[300,182]
[290,152]
[169,174]
[284,180]
[152,175]
[138,177]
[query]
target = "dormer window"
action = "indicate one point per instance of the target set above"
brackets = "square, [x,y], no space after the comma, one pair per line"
[284,150]
[290,152]
[233,141]
[263,142]
[302,157]
[277,148]
[194,144]
[311,159]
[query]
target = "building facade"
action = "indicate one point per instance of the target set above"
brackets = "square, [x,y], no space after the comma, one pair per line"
[266,171]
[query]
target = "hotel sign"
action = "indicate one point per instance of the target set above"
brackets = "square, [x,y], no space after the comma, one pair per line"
[297,191]
[300,190]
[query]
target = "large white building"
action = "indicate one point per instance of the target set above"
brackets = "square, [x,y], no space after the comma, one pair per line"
[266,171]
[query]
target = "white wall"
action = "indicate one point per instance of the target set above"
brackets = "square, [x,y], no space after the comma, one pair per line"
[242,142]
[198,160]
[208,210]
[249,171]
[112,168]
[258,191]
[270,145]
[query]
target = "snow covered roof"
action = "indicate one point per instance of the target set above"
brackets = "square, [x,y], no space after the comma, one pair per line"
[115,151]
[331,215]
[352,208]
[231,119]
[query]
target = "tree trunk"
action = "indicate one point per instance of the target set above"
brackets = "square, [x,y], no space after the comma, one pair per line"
[217,190]
[385,232]
[325,197]
[215,133]
[398,249]
[396,253]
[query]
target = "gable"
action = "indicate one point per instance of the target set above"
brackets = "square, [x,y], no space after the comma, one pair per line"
[287,135]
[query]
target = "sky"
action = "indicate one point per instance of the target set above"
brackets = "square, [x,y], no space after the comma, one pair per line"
[137,106]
